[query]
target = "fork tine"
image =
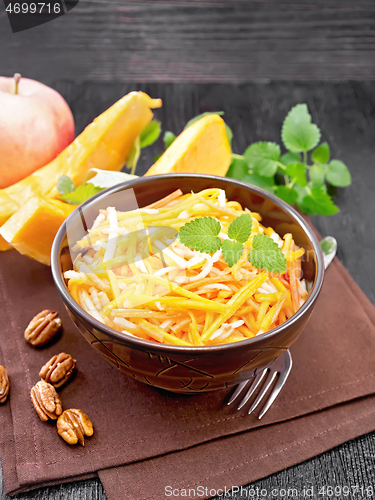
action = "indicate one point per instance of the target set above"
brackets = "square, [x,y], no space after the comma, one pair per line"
[238,390]
[280,367]
[257,380]
[283,375]
[267,384]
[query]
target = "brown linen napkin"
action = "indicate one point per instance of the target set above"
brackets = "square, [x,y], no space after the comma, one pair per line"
[139,425]
[214,468]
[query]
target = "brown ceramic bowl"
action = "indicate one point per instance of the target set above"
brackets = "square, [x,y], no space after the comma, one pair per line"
[185,369]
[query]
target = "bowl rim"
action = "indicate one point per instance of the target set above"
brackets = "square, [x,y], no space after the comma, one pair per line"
[169,349]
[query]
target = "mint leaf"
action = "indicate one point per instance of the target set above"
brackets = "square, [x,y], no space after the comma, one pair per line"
[319,202]
[317,174]
[135,153]
[297,172]
[207,113]
[240,228]
[338,174]
[81,194]
[229,133]
[232,252]
[65,185]
[262,157]
[289,158]
[168,139]
[150,134]
[238,168]
[302,193]
[266,183]
[267,255]
[321,154]
[298,133]
[288,194]
[201,234]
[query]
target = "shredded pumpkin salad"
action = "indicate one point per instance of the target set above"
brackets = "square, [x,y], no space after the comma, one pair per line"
[132,273]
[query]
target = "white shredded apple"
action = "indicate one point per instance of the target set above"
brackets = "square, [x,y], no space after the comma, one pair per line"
[100,218]
[183,215]
[226,329]
[150,211]
[139,264]
[221,198]
[72,275]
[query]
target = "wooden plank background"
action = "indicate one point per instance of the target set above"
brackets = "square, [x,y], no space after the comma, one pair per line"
[197,40]
[275,53]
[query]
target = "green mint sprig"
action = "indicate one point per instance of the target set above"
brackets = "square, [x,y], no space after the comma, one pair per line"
[290,176]
[202,235]
[147,137]
[75,195]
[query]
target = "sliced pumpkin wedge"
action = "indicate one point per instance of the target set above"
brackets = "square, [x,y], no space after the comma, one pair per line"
[201,148]
[4,245]
[32,229]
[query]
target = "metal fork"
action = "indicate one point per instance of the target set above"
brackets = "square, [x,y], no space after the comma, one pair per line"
[282,365]
[279,368]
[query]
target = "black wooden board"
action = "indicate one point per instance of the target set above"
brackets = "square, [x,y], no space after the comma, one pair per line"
[197,40]
[345,114]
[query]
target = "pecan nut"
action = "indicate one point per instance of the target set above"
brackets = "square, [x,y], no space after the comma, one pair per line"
[43,327]
[73,425]
[4,384]
[46,401]
[58,369]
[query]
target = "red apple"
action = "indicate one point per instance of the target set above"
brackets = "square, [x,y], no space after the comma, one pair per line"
[36,124]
